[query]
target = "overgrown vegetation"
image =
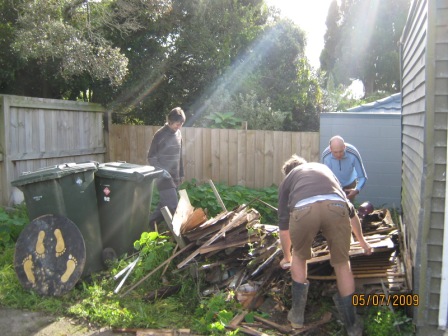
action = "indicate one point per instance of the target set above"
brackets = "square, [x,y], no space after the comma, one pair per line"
[201,195]
[93,297]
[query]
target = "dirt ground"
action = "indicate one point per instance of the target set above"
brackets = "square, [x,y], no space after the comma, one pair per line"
[15,322]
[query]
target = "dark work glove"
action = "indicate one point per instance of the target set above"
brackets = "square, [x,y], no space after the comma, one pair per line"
[351,209]
[165,174]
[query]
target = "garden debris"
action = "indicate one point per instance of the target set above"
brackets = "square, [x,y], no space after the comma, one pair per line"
[236,252]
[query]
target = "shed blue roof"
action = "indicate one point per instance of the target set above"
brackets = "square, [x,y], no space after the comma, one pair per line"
[391,104]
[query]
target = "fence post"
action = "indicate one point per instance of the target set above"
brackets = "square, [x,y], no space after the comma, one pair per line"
[107,122]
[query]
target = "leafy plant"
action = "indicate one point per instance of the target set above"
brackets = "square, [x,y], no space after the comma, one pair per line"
[213,314]
[382,321]
[224,120]
[201,196]
[12,222]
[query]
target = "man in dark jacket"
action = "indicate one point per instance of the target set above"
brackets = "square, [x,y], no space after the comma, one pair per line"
[165,152]
[312,200]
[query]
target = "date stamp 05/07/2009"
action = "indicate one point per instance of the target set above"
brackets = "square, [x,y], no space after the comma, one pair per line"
[395,300]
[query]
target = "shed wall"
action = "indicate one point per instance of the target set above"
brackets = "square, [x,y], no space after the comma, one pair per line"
[377,136]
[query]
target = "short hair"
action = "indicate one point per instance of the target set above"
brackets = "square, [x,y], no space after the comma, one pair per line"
[176,115]
[336,137]
[291,163]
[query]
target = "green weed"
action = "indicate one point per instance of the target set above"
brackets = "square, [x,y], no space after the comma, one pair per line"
[201,196]
[12,222]
[382,321]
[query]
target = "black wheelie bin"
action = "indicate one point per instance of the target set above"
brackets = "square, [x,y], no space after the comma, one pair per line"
[124,193]
[66,190]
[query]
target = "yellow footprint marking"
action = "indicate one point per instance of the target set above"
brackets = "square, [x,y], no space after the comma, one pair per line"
[71,265]
[40,248]
[60,244]
[28,266]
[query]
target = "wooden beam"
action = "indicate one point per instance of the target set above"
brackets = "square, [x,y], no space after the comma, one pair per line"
[168,220]
[215,191]
[282,329]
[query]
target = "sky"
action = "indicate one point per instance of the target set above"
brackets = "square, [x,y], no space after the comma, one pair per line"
[310,15]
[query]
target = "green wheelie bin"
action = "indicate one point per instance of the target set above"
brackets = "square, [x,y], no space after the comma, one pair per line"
[66,190]
[124,193]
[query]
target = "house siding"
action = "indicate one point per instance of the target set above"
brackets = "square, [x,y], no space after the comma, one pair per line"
[424,148]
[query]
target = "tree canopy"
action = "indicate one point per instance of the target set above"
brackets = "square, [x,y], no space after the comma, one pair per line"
[362,42]
[234,58]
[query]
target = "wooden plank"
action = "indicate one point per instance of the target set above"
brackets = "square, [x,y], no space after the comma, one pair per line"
[247,330]
[132,156]
[278,159]
[227,244]
[232,161]
[233,223]
[259,159]
[183,211]
[198,154]
[352,253]
[269,162]
[215,157]
[223,156]
[132,142]
[241,159]
[282,329]
[287,147]
[250,158]
[169,222]
[113,135]
[238,319]
[296,145]
[189,159]
[207,155]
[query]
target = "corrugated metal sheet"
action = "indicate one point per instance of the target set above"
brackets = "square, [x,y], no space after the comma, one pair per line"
[389,104]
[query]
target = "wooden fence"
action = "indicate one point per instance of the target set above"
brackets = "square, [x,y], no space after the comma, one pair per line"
[37,133]
[234,157]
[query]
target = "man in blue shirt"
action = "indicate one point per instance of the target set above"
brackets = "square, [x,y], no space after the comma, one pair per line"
[345,162]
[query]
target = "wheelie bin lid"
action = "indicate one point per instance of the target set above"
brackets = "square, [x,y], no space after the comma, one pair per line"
[127,171]
[53,172]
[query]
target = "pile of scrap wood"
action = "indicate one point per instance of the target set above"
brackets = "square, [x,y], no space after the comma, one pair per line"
[232,248]
[384,266]
[236,252]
